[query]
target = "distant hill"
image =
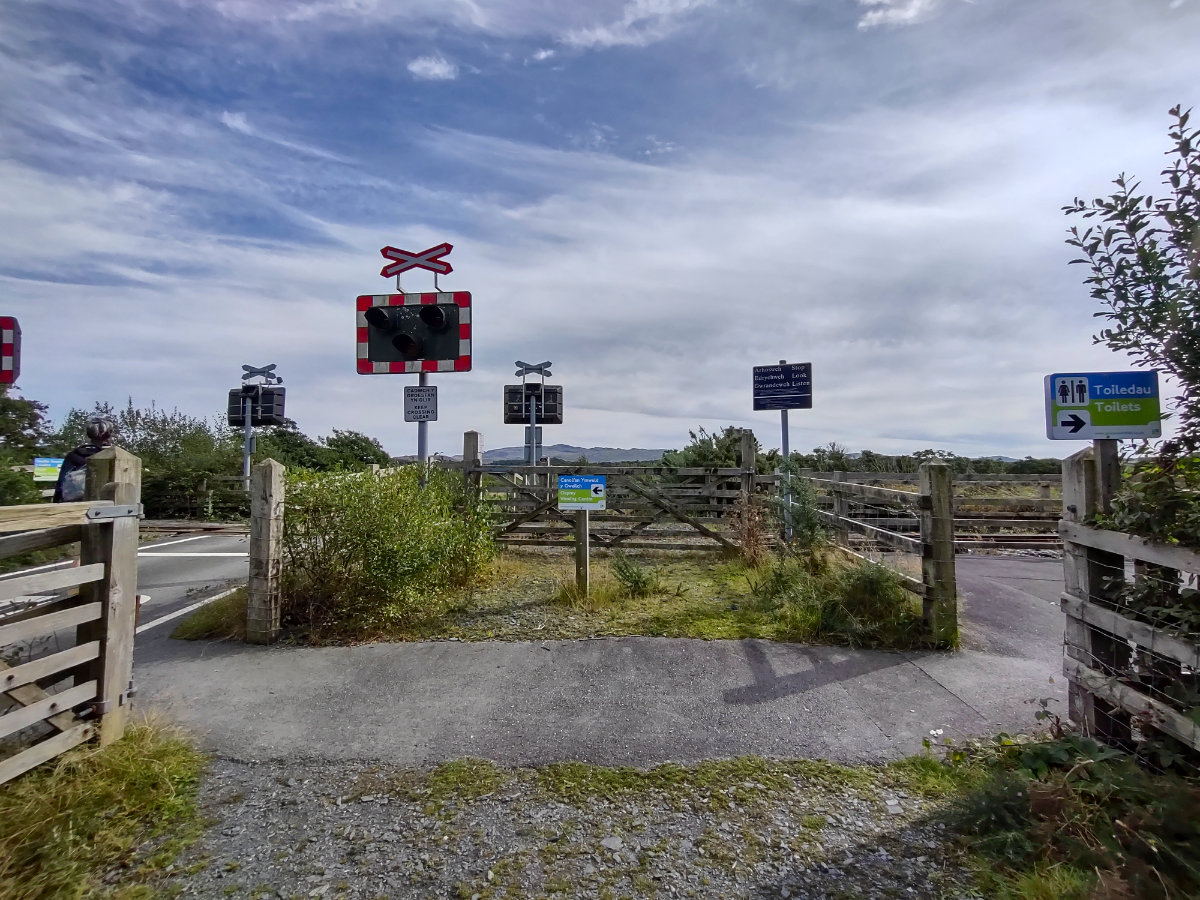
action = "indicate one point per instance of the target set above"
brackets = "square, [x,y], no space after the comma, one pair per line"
[570,453]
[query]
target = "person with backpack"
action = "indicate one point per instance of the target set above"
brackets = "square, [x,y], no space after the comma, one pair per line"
[72,477]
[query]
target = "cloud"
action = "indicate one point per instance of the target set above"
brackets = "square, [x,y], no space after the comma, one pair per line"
[641,22]
[897,12]
[542,55]
[433,68]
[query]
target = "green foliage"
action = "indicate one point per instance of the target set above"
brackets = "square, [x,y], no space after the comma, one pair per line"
[1160,500]
[860,605]
[66,824]
[636,579]
[719,449]
[368,554]
[799,510]
[1144,258]
[221,620]
[23,425]
[16,486]
[351,449]
[1071,802]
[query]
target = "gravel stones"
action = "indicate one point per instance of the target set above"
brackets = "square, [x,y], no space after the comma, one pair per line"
[296,829]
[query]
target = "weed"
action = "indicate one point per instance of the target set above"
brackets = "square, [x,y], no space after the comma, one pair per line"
[221,620]
[65,824]
[635,578]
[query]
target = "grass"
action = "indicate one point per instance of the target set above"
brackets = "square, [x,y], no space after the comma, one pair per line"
[531,595]
[221,620]
[128,809]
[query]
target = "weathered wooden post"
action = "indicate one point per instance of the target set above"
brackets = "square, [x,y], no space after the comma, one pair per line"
[940,607]
[266,552]
[472,459]
[841,509]
[582,552]
[1087,574]
[112,539]
[748,463]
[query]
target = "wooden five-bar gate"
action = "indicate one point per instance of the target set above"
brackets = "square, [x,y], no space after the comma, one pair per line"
[648,507]
[66,633]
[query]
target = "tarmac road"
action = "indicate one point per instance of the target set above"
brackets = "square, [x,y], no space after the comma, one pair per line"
[633,701]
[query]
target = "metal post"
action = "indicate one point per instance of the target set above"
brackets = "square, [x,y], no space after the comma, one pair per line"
[422,433]
[786,475]
[247,438]
[532,398]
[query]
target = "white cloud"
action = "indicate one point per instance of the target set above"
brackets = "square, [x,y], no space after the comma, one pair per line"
[641,22]
[542,55]
[433,68]
[897,12]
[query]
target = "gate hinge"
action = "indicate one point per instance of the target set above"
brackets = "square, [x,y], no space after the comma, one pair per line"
[115,512]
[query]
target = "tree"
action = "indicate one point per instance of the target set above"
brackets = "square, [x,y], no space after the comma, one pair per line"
[353,449]
[719,449]
[24,427]
[1144,256]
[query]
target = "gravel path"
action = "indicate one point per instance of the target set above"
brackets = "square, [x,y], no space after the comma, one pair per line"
[296,829]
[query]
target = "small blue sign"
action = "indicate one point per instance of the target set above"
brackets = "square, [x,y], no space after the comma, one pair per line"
[582,491]
[1103,406]
[785,386]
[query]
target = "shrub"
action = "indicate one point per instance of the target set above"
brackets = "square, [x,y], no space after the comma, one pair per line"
[863,604]
[369,553]
[636,579]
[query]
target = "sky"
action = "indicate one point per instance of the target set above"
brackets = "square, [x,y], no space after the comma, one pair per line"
[655,195]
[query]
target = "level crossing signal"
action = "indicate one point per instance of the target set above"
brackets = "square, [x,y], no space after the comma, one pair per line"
[548,399]
[428,332]
[10,350]
[266,405]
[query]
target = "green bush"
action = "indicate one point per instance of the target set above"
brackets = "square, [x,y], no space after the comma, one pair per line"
[1072,803]
[368,554]
[863,604]
[16,486]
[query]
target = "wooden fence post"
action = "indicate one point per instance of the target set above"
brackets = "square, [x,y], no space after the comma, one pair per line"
[582,553]
[266,551]
[841,509]
[1085,573]
[472,457]
[112,474]
[748,463]
[940,607]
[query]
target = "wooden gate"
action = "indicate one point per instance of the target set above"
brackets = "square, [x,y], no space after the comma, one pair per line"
[90,607]
[648,507]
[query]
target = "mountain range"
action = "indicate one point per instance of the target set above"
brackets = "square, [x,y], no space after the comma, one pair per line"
[571,453]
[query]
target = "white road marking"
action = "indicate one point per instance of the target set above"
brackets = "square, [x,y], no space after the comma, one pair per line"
[56,565]
[181,540]
[185,610]
[190,555]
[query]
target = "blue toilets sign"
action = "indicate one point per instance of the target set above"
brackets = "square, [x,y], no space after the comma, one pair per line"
[1085,406]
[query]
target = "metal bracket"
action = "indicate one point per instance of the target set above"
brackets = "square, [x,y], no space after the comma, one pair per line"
[101,707]
[115,512]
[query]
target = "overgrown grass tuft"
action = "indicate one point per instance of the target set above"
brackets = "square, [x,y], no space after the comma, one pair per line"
[862,604]
[69,823]
[221,620]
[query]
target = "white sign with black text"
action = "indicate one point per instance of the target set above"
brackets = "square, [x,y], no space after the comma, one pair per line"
[420,404]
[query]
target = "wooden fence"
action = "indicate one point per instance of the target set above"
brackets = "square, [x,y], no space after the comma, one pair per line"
[91,607]
[1131,675]
[1024,518]
[648,507]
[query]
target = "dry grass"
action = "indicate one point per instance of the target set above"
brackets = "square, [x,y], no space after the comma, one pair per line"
[100,822]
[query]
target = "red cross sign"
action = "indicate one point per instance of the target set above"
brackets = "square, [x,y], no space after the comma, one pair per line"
[427,259]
